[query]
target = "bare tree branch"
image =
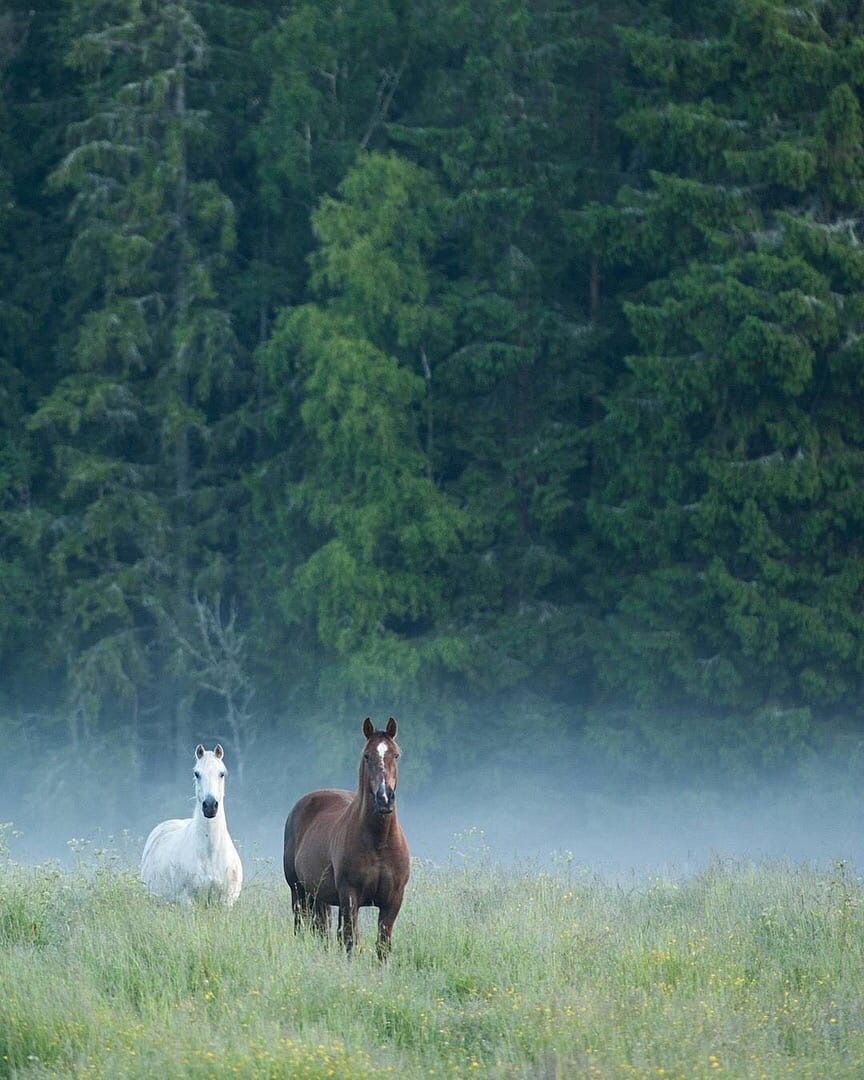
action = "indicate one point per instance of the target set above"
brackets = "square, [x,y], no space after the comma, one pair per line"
[217,660]
[389,82]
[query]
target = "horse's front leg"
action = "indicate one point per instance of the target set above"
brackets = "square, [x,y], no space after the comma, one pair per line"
[321,918]
[387,913]
[348,929]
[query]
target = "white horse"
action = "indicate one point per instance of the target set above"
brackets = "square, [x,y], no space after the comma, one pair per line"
[191,858]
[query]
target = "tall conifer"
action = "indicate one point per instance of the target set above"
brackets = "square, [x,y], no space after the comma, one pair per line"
[149,353]
[735,444]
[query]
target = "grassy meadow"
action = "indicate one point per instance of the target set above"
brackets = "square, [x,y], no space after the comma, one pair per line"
[741,971]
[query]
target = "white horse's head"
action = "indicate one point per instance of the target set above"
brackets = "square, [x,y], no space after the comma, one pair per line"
[209,779]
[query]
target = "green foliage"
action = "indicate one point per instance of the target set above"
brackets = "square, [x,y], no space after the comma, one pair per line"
[495,353]
[363,482]
[148,352]
[382,222]
[735,462]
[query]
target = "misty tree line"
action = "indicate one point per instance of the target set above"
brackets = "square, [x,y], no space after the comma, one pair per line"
[430,357]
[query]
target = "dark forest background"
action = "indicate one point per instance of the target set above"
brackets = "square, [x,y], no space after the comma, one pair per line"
[498,364]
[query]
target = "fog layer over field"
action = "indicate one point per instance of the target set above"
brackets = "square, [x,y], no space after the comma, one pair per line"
[522,804]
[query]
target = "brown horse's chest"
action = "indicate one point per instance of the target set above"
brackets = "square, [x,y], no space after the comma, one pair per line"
[374,876]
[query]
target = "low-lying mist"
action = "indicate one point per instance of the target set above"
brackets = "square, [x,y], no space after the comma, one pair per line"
[512,807]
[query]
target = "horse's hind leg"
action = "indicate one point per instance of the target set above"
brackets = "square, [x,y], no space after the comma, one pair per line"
[300,904]
[308,910]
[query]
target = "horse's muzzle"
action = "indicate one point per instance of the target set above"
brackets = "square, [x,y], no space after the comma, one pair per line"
[385,800]
[210,807]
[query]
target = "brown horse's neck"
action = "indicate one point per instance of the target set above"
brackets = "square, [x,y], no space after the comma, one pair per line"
[381,826]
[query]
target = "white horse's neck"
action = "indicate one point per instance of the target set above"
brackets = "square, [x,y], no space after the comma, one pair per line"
[210,833]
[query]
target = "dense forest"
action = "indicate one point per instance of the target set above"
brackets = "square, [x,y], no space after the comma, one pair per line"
[494,363]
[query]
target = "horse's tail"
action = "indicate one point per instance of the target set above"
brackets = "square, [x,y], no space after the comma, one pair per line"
[289,849]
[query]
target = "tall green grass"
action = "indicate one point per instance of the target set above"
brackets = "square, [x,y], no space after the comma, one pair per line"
[741,971]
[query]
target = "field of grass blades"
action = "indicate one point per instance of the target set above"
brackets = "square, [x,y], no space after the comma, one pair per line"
[742,971]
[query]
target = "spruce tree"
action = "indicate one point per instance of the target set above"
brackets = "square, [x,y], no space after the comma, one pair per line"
[35,96]
[148,359]
[734,444]
[509,124]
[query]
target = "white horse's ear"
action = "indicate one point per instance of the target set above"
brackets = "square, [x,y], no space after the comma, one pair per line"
[218,751]
[368,727]
[199,751]
[392,727]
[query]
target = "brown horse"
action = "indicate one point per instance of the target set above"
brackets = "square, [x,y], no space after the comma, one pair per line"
[346,848]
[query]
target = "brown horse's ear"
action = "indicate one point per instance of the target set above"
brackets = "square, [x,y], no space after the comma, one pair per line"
[368,727]
[218,751]
[199,751]
[392,727]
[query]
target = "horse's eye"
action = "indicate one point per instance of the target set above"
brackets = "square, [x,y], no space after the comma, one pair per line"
[397,756]
[197,775]
[221,775]
[366,756]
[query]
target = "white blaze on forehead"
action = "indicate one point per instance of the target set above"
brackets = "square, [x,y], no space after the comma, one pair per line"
[382,749]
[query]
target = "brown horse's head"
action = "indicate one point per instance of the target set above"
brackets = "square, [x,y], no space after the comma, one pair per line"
[378,766]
